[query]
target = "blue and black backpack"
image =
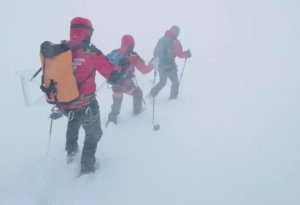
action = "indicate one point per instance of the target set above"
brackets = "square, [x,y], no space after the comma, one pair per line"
[119,60]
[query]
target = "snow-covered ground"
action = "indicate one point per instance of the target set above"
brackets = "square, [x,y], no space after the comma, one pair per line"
[231,138]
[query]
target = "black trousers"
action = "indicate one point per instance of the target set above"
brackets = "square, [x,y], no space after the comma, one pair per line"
[128,87]
[89,118]
[165,72]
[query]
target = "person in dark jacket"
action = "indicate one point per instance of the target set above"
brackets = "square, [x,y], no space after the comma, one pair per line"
[167,49]
[86,60]
[127,84]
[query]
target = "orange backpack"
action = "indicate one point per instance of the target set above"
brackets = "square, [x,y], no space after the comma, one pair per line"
[58,81]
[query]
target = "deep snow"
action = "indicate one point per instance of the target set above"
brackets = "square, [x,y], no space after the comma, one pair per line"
[231,138]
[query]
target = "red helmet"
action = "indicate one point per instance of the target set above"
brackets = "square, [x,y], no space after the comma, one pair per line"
[81,30]
[127,43]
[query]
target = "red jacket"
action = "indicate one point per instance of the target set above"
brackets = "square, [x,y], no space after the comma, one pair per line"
[127,45]
[85,64]
[136,62]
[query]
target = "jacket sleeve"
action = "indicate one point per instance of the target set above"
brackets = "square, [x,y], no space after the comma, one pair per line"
[178,50]
[103,66]
[140,64]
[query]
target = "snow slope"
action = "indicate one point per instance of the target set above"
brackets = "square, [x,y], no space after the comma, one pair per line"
[231,138]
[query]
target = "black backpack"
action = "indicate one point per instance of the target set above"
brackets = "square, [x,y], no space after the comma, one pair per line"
[164,50]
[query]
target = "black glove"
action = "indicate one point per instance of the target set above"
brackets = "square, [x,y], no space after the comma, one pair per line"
[188,53]
[114,77]
[56,113]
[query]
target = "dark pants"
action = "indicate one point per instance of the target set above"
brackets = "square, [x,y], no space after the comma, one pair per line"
[165,72]
[128,87]
[89,118]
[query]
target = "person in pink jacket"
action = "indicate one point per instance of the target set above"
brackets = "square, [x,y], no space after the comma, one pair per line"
[129,60]
[86,61]
[167,49]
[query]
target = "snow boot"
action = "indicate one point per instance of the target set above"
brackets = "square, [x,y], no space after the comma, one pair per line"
[111,118]
[87,169]
[71,156]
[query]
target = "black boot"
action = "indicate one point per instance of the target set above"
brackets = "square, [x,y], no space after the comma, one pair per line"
[172,97]
[71,154]
[137,100]
[87,169]
[115,110]
[112,118]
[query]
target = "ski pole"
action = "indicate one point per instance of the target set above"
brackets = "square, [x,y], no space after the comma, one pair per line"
[56,114]
[182,71]
[49,139]
[155,126]
[155,73]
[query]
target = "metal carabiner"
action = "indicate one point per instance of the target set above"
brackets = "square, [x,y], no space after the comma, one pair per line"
[88,110]
[70,115]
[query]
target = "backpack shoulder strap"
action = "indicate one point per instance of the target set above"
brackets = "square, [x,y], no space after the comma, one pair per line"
[133,53]
[95,50]
[92,49]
